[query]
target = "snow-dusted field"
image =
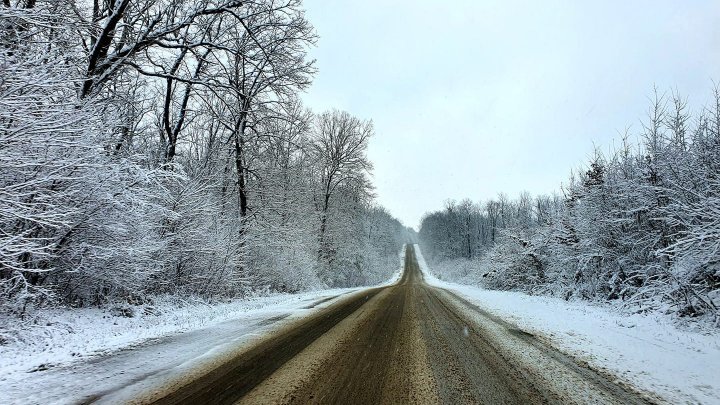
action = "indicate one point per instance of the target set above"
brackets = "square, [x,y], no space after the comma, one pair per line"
[649,352]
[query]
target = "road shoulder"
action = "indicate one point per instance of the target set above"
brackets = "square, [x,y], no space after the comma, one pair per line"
[644,352]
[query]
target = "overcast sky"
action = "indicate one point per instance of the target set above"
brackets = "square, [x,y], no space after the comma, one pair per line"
[472,98]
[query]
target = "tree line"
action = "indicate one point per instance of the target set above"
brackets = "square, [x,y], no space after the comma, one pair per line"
[160,147]
[640,225]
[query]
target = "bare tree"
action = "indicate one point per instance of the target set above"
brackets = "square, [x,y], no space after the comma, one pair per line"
[340,147]
[263,65]
[124,34]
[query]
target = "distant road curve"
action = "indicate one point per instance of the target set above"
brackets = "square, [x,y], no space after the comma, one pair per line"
[405,343]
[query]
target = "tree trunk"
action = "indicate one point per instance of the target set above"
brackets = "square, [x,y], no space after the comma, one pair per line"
[239,138]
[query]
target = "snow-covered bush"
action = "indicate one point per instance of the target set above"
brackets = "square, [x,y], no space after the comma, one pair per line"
[639,226]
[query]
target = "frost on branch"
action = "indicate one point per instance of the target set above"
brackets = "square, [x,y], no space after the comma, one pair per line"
[159,148]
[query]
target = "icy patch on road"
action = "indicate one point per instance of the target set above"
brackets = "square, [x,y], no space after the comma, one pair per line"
[647,351]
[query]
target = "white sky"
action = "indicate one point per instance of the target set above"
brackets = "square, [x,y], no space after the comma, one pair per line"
[472,98]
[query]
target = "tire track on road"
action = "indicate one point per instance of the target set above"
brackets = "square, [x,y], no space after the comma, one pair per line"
[405,343]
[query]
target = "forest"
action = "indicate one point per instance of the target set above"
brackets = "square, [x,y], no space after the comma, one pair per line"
[639,226]
[161,148]
[207,201]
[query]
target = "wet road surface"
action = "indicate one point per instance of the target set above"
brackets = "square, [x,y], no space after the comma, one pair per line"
[405,343]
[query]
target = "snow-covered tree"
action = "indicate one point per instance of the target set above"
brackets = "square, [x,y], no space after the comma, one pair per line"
[638,225]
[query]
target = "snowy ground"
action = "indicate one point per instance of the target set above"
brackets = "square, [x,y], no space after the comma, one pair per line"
[100,355]
[88,353]
[648,352]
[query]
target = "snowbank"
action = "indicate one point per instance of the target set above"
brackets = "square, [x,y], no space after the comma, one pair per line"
[647,351]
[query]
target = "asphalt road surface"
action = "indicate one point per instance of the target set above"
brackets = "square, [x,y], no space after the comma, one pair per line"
[405,343]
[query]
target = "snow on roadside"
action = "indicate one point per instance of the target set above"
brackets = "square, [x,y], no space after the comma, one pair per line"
[647,351]
[63,335]
[75,353]
[398,273]
[95,352]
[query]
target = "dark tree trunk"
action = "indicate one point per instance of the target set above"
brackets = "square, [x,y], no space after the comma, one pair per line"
[102,46]
[241,170]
